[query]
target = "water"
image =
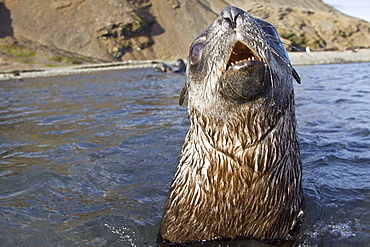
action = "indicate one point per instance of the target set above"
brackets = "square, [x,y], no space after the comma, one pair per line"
[87,160]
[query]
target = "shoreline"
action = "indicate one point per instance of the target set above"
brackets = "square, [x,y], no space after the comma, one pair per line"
[78,69]
[296,58]
[330,57]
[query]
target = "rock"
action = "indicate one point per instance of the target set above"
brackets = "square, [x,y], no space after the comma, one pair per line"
[120,30]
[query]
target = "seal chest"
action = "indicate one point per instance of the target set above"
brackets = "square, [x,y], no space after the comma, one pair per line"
[239,174]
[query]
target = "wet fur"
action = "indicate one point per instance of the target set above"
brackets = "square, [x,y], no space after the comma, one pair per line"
[240,171]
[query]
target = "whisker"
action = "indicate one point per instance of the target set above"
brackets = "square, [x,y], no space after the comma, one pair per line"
[282,40]
[274,38]
[294,72]
[278,55]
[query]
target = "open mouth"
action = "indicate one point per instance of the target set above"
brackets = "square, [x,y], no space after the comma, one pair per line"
[241,54]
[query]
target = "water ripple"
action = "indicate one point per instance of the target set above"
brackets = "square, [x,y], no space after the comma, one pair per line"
[88,159]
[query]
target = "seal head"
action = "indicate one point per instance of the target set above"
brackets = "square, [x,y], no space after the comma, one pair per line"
[239,174]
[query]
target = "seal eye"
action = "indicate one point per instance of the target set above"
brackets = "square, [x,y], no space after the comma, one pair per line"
[195,52]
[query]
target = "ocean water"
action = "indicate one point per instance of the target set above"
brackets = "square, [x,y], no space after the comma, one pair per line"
[87,160]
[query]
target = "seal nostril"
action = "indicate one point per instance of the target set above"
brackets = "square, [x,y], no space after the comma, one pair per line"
[231,23]
[231,14]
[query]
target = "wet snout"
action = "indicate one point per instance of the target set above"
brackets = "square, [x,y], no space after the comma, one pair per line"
[231,14]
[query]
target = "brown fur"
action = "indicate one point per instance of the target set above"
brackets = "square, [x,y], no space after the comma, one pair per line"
[240,171]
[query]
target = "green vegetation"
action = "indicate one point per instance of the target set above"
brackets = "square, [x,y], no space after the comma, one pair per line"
[343,33]
[52,65]
[17,50]
[300,41]
[297,41]
[27,61]
[70,60]
[319,44]
[73,61]
[147,43]
[57,59]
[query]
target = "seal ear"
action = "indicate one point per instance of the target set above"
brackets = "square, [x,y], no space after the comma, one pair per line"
[183,94]
[296,76]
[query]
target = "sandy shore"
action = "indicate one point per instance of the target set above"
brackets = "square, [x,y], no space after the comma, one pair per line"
[297,58]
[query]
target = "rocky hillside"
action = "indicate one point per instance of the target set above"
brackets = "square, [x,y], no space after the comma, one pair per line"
[86,31]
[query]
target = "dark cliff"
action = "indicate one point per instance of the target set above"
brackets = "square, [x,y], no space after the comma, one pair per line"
[62,31]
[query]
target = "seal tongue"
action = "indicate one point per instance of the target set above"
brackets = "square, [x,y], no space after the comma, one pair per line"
[241,53]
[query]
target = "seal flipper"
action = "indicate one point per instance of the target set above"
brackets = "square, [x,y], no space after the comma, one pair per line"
[296,76]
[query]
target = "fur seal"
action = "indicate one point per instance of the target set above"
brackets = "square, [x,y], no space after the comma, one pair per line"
[181,66]
[239,174]
[162,67]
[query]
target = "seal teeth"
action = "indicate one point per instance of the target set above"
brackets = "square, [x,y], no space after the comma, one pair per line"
[240,53]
